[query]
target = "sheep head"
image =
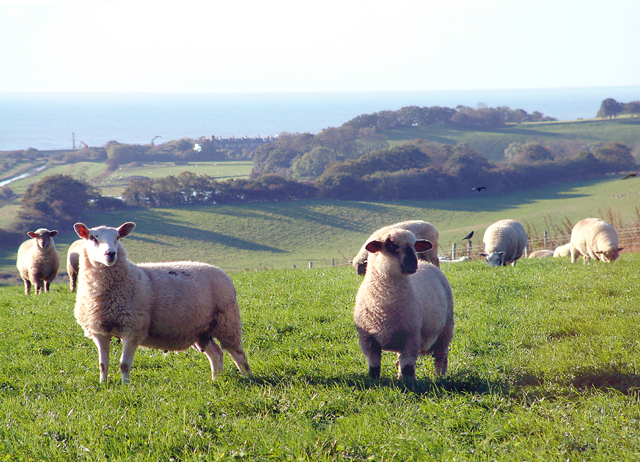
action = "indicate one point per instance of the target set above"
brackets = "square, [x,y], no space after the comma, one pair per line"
[494,259]
[609,256]
[102,242]
[42,236]
[399,246]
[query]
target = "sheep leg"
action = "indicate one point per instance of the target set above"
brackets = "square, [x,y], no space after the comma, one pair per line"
[103,344]
[214,353]
[373,352]
[126,360]
[239,358]
[27,286]
[407,364]
[46,286]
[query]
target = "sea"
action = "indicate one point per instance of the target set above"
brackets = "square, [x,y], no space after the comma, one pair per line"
[50,121]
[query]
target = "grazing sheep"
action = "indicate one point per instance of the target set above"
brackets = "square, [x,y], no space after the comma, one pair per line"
[167,306]
[403,305]
[541,254]
[563,250]
[504,242]
[73,260]
[594,238]
[420,229]
[38,261]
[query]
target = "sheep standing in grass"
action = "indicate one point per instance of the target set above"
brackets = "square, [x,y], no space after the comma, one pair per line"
[420,229]
[563,250]
[167,306]
[73,263]
[403,305]
[594,238]
[541,254]
[504,243]
[38,261]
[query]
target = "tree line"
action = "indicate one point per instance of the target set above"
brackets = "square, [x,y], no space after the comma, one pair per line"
[611,108]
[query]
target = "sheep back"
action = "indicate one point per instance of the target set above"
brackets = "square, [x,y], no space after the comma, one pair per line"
[541,254]
[594,238]
[563,250]
[420,229]
[167,306]
[507,236]
[73,263]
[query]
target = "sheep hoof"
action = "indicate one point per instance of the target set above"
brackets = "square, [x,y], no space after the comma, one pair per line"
[408,372]
[374,372]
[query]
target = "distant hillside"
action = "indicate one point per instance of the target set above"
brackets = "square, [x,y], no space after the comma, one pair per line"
[560,136]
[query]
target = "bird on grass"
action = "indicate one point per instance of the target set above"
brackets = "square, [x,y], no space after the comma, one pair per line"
[630,175]
[479,188]
[468,236]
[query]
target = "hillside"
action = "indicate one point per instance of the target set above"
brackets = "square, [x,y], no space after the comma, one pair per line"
[492,143]
[282,234]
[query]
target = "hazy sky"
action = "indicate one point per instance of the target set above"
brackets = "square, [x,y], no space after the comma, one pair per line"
[328,45]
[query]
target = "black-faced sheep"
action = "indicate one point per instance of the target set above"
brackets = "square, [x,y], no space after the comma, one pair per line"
[594,238]
[403,305]
[167,306]
[73,263]
[504,243]
[38,261]
[420,229]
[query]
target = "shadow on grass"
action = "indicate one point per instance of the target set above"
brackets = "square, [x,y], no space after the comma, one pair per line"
[607,379]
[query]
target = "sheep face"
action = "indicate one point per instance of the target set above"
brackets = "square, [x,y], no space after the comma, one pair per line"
[609,256]
[494,259]
[102,242]
[42,237]
[401,251]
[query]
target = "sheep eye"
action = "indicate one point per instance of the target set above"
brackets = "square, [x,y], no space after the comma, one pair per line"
[391,247]
[93,239]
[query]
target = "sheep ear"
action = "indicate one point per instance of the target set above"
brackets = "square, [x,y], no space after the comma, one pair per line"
[422,245]
[374,246]
[53,233]
[126,229]
[81,230]
[482,254]
[620,248]
[31,234]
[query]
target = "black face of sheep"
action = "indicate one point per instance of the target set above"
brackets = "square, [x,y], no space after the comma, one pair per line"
[405,254]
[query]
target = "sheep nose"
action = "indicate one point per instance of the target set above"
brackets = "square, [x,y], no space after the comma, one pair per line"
[111,255]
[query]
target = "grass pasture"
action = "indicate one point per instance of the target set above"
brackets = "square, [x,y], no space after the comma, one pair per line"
[543,366]
[492,143]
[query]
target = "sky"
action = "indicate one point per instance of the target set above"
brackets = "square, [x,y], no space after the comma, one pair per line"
[313,46]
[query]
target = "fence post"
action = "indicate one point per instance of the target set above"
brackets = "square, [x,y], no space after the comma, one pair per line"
[546,235]
[333,262]
[453,251]
[470,247]
[310,264]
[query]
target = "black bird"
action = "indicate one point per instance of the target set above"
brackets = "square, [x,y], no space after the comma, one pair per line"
[468,236]
[630,175]
[479,188]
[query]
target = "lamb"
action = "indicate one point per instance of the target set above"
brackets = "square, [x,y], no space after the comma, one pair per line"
[563,250]
[38,261]
[403,305]
[541,254]
[420,229]
[167,306]
[594,238]
[504,243]
[73,261]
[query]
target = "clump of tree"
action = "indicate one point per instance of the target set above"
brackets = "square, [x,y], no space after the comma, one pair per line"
[611,108]
[55,201]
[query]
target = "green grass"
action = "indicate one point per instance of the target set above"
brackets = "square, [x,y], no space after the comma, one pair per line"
[492,143]
[543,366]
[117,182]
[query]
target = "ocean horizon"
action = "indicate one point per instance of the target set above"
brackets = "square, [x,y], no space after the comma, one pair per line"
[48,121]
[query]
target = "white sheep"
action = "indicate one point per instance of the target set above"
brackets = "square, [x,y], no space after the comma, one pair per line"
[167,306]
[403,305]
[420,229]
[73,262]
[541,254]
[504,243]
[563,250]
[594,238]
[38,261]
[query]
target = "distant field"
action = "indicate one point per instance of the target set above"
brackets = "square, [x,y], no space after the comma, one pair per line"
[282,234]
[118,181]
[492,143]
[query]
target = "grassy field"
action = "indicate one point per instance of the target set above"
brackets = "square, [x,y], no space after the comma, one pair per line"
[492,143]
[543,366]
[278,235]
